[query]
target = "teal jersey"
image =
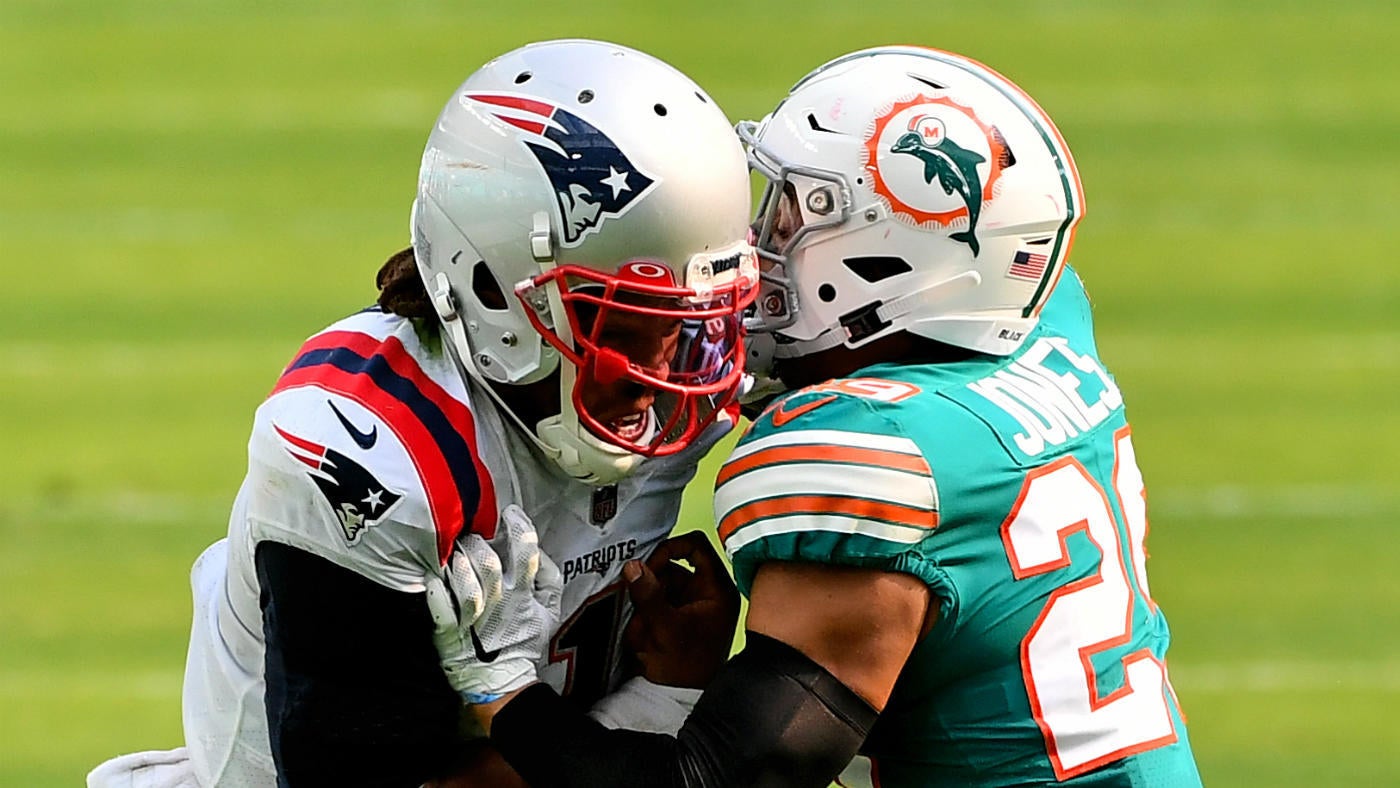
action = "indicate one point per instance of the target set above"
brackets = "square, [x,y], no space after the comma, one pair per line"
[1009,485]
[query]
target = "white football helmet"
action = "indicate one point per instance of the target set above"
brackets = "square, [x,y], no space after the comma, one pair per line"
[572,184]
[909,190]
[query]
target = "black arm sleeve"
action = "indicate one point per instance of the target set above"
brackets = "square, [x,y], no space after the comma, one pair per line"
[355,694]
[772,718]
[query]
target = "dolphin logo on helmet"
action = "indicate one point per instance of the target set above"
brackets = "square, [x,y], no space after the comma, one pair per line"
[957,150]
[954,166]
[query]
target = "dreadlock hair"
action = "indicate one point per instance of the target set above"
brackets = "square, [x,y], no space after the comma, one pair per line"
[401,289]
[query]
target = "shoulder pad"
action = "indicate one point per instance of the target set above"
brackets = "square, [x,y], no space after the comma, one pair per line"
[371,407]
[833,482]
[849,391]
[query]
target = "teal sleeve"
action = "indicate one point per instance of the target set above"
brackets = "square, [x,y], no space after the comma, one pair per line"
[820,547]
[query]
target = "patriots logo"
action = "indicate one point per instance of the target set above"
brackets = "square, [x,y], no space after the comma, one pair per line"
[357,498]
[592,178]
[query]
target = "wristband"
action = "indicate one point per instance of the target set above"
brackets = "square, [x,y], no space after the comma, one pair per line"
[643,705]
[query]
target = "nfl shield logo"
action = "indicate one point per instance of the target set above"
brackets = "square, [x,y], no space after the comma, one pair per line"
[604,504]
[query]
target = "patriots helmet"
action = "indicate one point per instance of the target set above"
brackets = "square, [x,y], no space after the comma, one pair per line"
[908,189]
[573,196]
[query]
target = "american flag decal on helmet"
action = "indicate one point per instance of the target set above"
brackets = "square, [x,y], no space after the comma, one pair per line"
[1028,265]
[593,179]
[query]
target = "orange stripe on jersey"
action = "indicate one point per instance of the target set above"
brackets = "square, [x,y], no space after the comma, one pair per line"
[862,508]
[778,455]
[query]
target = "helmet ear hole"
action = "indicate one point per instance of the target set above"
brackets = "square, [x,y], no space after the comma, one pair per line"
[486,289]
[873,269]
[826,292]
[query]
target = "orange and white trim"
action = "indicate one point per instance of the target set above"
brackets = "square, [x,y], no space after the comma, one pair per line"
[879,486]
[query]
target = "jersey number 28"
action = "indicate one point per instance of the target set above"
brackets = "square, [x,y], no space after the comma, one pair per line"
[1089,617]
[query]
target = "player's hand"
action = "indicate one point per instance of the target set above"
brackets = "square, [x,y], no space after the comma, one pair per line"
[494,609]
[684,620]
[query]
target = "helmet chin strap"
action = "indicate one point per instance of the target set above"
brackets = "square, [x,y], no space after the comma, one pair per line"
[888,312]
[560,437]
[797,348]
[573,448]
[460,350]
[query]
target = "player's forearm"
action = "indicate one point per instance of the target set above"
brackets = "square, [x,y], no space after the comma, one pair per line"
[551,743]
[354,694]
[481,765]
[772,717]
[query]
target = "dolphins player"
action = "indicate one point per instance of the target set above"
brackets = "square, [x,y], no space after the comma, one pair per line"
[940,528]
[552,357]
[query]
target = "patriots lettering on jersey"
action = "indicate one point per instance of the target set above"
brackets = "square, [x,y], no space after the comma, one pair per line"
[592,178]
[357,499]
[1052,392]
[599,561]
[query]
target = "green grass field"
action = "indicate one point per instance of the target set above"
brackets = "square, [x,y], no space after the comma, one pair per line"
[188,188]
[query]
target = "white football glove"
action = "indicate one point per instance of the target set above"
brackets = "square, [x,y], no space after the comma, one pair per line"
[494,609]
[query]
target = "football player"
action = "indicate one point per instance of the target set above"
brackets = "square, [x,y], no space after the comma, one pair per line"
[551,358]
[940,527]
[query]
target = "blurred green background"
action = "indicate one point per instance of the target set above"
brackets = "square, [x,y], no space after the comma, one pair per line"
[189,188]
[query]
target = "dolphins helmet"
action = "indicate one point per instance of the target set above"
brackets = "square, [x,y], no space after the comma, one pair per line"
[573,180]
[908,189]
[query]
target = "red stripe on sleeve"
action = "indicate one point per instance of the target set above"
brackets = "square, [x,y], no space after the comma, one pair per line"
[462,420]
[432,467]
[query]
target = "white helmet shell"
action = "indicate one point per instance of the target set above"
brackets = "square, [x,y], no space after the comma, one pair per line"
[568,153]
[935,197]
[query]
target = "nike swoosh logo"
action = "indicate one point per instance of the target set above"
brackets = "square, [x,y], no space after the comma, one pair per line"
[783,414]
[365,440]
[481,653]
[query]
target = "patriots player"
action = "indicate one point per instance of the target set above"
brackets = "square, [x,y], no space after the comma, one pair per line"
[940,528]
[551,358]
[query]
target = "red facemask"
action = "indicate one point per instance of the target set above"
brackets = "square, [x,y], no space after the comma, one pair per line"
[656,361]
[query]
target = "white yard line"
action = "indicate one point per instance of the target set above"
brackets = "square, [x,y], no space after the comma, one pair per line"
[137,685]
[1232,501]
[128,507]
[1268,676]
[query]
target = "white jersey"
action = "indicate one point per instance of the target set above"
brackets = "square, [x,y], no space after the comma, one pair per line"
[372,453]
